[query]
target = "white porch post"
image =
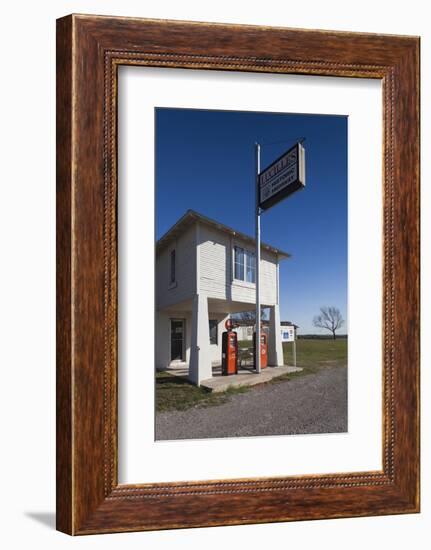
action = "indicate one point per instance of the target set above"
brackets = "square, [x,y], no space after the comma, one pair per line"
[200,357]
[275,347]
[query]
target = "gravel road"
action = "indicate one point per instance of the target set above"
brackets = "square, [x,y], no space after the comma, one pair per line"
[315,403]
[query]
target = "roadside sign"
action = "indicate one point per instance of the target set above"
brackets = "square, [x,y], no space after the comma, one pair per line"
[287,334]
[282,178]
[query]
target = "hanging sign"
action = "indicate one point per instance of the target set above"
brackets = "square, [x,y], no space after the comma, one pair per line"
[283,177]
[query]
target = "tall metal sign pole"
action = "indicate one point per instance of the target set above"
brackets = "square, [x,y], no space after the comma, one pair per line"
[257,257]
[280,179]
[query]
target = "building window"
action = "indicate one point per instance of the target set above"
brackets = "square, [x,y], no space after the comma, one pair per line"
[172,277]
[245,265]
[239,263]
[251,267]
[213,331]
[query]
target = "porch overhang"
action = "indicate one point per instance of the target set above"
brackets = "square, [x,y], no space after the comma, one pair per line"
[215,305]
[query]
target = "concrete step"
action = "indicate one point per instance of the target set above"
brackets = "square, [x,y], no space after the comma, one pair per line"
[219,383]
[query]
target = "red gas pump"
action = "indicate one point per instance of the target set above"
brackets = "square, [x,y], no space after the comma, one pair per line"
[263,350]
[229,361]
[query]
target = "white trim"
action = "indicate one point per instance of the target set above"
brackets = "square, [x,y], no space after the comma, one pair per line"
[277,296]
[141,458]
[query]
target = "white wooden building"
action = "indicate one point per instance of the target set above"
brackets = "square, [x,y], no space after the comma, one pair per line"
[205,271]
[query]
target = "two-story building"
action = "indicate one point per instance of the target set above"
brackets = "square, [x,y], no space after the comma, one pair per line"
[206,271]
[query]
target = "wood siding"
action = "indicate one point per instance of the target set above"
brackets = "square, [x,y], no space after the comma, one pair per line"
[185,258]
[216,269]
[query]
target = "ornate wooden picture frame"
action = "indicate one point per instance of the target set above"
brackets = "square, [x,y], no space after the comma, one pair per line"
[89,51]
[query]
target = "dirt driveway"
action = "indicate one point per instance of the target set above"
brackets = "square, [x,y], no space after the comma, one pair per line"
[316,403]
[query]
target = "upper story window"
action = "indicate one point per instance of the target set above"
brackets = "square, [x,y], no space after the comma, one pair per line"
[244,265]
[172,269]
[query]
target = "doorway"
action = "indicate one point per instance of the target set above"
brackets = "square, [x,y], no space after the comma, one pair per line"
[177,339]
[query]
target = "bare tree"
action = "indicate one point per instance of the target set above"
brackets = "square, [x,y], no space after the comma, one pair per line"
[330,318]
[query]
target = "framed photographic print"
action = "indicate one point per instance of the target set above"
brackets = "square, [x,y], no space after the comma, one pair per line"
[237,274]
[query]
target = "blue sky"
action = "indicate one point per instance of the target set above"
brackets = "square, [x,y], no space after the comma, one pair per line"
[205,161]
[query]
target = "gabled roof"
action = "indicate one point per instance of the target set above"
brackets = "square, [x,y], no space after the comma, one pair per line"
[192,216]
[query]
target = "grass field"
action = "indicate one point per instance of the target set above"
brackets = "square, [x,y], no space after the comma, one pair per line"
[174,393]
[317,352]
